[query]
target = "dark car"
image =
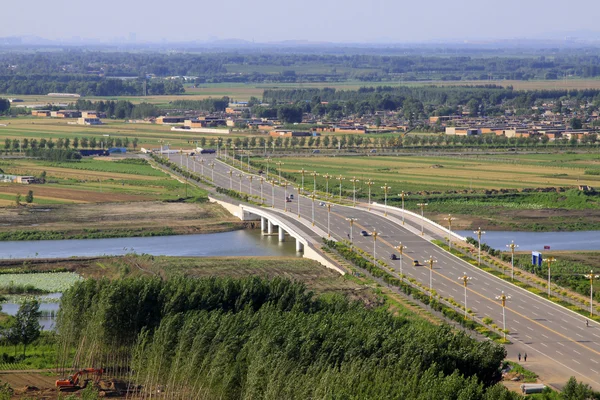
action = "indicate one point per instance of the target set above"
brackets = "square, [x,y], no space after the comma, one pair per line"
[364,233]
[393,256]
[416,263]
[292,196]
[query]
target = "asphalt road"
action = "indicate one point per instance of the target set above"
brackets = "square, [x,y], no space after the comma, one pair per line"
[557,341]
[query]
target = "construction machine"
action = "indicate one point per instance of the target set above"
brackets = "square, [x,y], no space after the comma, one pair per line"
[80,379]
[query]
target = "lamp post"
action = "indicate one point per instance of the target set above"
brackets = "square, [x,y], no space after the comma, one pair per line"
[212,172]
[351,220]
[313,196]
[512,246]
[230,179]
[202,166]
[314,175]
[340,178]
[181,157]
[591,277]
[374,234]
[240,176]
[194,163]
[401,249]
[268,160]
[248,156]
[431,261]
[262,199]
[298,201]
[549,261]
[385,188]
[479,232]
[369,184]
[465,279]
[327,178]
[503,299]
[328,219]
[422,205]
[285,199]
[354,181]
[402,196]
[449,218]
[187,161]
[250,177]
[279,164]
[272,182]
[302,172]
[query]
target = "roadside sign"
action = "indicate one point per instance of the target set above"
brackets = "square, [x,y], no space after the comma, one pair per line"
[536,258]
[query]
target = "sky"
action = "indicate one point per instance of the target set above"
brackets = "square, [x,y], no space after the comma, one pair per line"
[342,21]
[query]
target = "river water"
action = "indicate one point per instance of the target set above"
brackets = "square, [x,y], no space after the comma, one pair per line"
[528,241]
[235,243]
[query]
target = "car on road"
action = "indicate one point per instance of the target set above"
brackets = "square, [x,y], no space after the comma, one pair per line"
[364,233]
[416,263]
[316,151]
[288,200]
[292,196]
[393,256]
[322,203]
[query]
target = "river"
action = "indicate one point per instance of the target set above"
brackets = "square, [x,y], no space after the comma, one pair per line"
[234,243]
[527,241]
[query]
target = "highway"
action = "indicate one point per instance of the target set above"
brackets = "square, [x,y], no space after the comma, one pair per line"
[557,341]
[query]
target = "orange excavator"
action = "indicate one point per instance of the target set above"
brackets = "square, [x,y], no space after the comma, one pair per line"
[80,379]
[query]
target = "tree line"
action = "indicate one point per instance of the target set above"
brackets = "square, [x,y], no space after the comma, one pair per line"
[254,338]
[34,146]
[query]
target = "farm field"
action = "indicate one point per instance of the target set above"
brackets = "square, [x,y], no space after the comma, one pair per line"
[464,186]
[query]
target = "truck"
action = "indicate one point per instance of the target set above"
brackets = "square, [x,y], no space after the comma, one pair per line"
[201,150]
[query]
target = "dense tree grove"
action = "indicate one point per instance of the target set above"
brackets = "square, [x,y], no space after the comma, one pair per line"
[253,338]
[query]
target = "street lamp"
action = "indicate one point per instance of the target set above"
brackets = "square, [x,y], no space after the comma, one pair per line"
[465,279]
[422,205]
[248,156]
[354,181]
[402,196]
[314,175]
[262,199]
[272,182]
[250,177]
[268,160]
[230,179]
[431,261]
[479,232]
[212,173]
[449,218]
[340,178]
[313,196]
[187,161]
[285,199]
[328,219]
[181,157]
[240,176]
[401,249]
[549,261]
[202,166]
[298,202]
[327,178]
[385,188]
[351,220]
[512,246]
[369,183]
[279,164]
[374,234]
[591,277]
[503,299]
[302,172]
[194,163]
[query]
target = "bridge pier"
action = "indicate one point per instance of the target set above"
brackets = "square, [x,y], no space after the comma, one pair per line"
[281,234]
[269,227]
[263,224]
[299,246]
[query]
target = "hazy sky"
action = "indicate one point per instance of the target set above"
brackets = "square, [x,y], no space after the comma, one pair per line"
[314,20]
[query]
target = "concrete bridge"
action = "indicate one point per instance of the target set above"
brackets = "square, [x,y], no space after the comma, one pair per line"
[273,222]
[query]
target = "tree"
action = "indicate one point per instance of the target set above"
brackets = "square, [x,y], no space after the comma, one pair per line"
[75,142]
[576,123]
[576,391]
[29,197]
[134,143]
[26,326]
[18,199]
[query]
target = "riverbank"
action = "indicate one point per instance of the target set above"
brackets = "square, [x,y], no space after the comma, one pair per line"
[112,220]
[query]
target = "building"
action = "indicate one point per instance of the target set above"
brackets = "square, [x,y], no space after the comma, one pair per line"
[117,150]
[88,121]
[93,114]
[166,120]
[290,133]
[463,131]
[66,114]
[40,113]
[26,180]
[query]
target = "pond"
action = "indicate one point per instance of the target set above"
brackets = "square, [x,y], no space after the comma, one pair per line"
[48,304]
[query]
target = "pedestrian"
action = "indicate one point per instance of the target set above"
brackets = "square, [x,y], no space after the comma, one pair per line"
[525,357]
[587,323]
[348,235]
[519,357]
